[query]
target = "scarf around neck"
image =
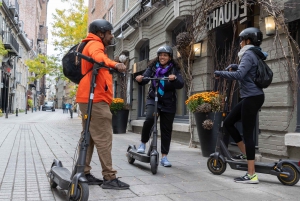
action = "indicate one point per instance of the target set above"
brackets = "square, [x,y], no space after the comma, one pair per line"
[243,50]
[160,72]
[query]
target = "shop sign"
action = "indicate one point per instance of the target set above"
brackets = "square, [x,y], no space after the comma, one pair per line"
[230,11]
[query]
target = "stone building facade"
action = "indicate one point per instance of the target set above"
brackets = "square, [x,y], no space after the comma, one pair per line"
[141,27]
[23,37]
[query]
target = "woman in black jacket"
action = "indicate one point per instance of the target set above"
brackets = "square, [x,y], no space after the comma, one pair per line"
[163,66]
[252,98]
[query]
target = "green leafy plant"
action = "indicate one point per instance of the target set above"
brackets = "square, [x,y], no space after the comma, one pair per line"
[3,51]
[1,113]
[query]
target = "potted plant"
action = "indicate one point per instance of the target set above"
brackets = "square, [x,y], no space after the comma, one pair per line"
[206,107]
[1,113]
[119,115]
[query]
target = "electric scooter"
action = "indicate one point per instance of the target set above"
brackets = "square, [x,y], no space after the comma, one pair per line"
[152,155]
[287,171]
[76,182]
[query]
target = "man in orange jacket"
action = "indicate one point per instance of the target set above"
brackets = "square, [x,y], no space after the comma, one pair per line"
[98,38]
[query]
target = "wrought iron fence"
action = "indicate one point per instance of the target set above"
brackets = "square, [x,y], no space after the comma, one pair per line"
[10,42]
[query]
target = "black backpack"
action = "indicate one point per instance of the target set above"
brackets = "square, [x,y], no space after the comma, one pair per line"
[72,63]
[264,74]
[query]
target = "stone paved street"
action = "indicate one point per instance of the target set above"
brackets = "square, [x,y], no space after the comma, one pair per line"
[30,142]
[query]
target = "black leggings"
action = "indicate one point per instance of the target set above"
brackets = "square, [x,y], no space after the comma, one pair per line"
[246,111]
[166,127]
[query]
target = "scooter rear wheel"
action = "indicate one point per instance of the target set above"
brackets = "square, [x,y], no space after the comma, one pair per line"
[153,164]
[82,192]
[294,175]
[216,167]
[52,182]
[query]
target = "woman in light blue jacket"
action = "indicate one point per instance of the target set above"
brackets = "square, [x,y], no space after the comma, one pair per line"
[252,98]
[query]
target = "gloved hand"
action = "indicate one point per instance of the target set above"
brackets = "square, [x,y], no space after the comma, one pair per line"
[232,67]
[120,67]
[217,74]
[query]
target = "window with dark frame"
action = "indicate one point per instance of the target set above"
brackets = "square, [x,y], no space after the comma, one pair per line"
[142,90]
[224,39]
[181,109]
[125,5]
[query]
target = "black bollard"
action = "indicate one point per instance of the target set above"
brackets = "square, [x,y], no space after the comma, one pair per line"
[17,110]
[6,114]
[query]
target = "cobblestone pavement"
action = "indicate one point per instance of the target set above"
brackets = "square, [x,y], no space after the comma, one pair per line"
[30,142]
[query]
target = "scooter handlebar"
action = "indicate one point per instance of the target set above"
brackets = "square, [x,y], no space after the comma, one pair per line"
[100,64]
[155,78]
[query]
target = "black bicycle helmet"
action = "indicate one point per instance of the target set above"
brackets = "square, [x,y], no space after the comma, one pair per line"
[100,25]
[165,49]
[252,33]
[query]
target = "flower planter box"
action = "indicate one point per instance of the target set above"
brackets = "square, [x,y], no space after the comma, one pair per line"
[119,121]
[208,138]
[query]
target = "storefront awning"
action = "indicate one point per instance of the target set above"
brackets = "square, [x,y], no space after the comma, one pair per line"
[291,10]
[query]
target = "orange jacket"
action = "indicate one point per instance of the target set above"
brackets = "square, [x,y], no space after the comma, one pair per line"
[104,83]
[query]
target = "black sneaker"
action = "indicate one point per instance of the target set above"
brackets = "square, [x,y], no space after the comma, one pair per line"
[93,180]
[114,184]
[240,157]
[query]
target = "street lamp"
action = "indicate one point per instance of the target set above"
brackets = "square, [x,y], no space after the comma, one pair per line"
[270,26]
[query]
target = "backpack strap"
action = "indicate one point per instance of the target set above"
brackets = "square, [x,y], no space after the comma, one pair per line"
[80,48]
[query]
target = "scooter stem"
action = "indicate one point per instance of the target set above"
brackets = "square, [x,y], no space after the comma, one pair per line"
[85,139]
[154,145]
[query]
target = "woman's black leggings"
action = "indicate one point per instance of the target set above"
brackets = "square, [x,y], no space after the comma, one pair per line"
[246,111]
[166,127]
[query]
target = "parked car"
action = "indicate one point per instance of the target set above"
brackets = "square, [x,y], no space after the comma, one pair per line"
[48,106]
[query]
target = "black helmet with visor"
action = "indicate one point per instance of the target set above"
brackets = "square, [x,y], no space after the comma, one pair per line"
[253,34]
[100,25]
[165,49]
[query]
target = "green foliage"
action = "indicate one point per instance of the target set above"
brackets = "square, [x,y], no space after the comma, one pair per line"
[30,103]
[3,51]
[70,25]
[42,65]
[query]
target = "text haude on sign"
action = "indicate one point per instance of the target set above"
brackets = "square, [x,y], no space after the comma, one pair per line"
[229,12]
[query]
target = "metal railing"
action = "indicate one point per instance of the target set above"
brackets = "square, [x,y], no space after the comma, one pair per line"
[10,42]
[13,6]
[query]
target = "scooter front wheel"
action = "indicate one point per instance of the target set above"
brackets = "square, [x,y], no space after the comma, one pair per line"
[216,166]
[129,158]
[153,164]
[290,180]
[82,192]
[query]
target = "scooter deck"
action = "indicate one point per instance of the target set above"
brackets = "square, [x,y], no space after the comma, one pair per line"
[61,176]
[138,156]
[259,166]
